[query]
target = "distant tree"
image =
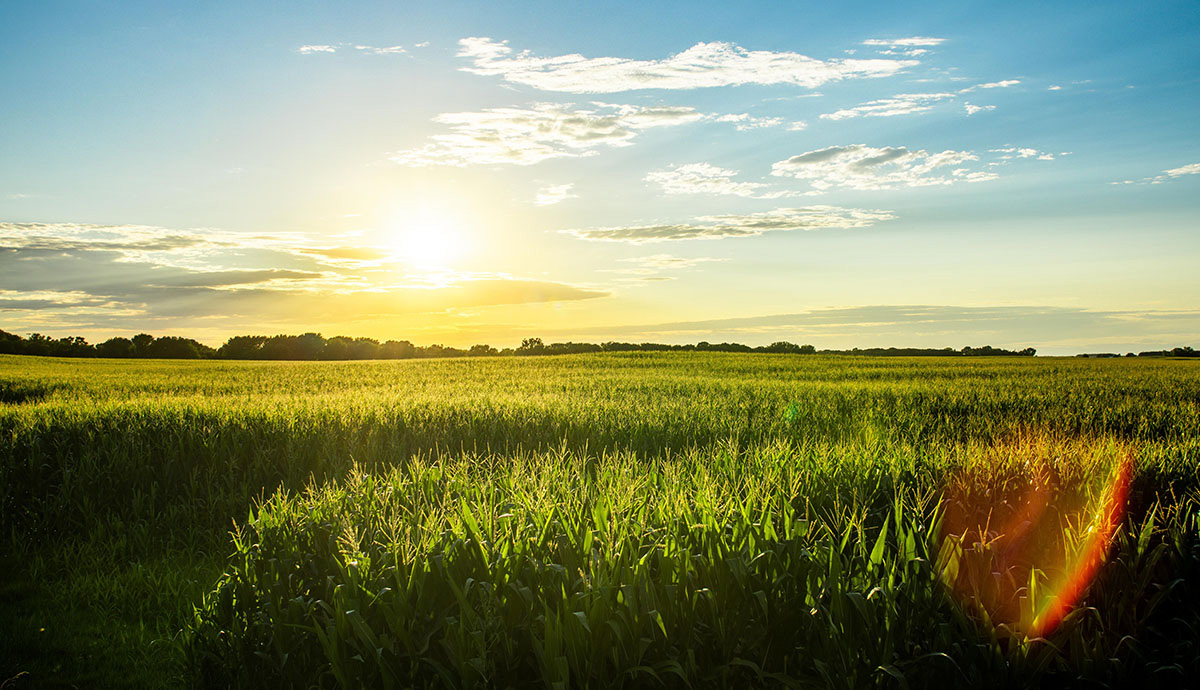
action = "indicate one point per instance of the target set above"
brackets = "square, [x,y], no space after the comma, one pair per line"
[531,346]
[364,348]
[242,347]
[482,351]
[172,347]
[10,343]
[337,348]
[397,349]
[439,351]
[307,346]
[116,348]
[141,343]
[781,347]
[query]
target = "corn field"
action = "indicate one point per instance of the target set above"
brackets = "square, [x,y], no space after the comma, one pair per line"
[617,520]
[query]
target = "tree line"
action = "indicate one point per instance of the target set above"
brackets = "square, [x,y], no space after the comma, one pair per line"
[314,346]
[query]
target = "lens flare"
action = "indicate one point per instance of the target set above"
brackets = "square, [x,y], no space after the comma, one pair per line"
[1021,542]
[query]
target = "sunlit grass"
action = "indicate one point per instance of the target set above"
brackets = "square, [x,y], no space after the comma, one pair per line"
[606,520]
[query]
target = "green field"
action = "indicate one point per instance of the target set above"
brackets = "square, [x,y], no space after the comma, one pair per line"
[612,520]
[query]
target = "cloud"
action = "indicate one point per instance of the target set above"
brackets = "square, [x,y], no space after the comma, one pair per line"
[667,261]
[525,136]
[1055,87]
[1189,169]
[900,104]
[316,49]
[913,41]
[907,47]
[866,167]
[553,194]
[745,121]
[701,66]
[372,50]
[1013,152]
[650,268]
[909,103]
[705,178]
[135,277]
[992,85]
[972,109]
[747,225]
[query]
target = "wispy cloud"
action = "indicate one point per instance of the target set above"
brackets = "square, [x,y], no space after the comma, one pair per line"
[914,46]
[900,104]
[745,121]
[865,167]
[703,65]
[67,274]
[912,41]
[1171,174]
[372,50]
[325,48]
[1189,169]
[1013,152]
[746,225]
[992,85]
[910,103]
[705,178]
[667,261]
[553,194]
[972,109]
[524,136]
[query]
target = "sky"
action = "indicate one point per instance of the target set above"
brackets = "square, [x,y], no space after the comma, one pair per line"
[910,175]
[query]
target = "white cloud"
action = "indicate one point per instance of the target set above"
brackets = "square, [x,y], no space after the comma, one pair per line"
[705,178]
[1189,169]
[372,50]
[1055,87]
[797,126]
[992,85]
[312,49]
[747,225]
[745,121]
[865,167]
[904,42]
[1012,152]
[667,261]
[909,103]
[972,109]
[915,46]
[900,104]
[524,136]
[422,44]
[702,65]
[553,194]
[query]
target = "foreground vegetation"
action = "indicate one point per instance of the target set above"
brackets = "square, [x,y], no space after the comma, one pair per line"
[607,520]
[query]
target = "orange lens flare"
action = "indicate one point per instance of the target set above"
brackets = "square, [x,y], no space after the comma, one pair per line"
[1020,548]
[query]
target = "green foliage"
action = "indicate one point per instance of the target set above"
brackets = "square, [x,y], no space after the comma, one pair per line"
[603,520]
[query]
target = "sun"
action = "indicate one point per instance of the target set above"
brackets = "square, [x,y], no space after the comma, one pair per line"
[425,239]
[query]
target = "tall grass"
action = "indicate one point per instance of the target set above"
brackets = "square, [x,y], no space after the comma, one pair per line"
[634,520]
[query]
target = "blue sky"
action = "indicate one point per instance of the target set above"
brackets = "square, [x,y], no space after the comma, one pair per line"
[932,174]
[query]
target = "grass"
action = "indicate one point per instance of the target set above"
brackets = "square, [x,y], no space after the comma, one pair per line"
[614,520]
